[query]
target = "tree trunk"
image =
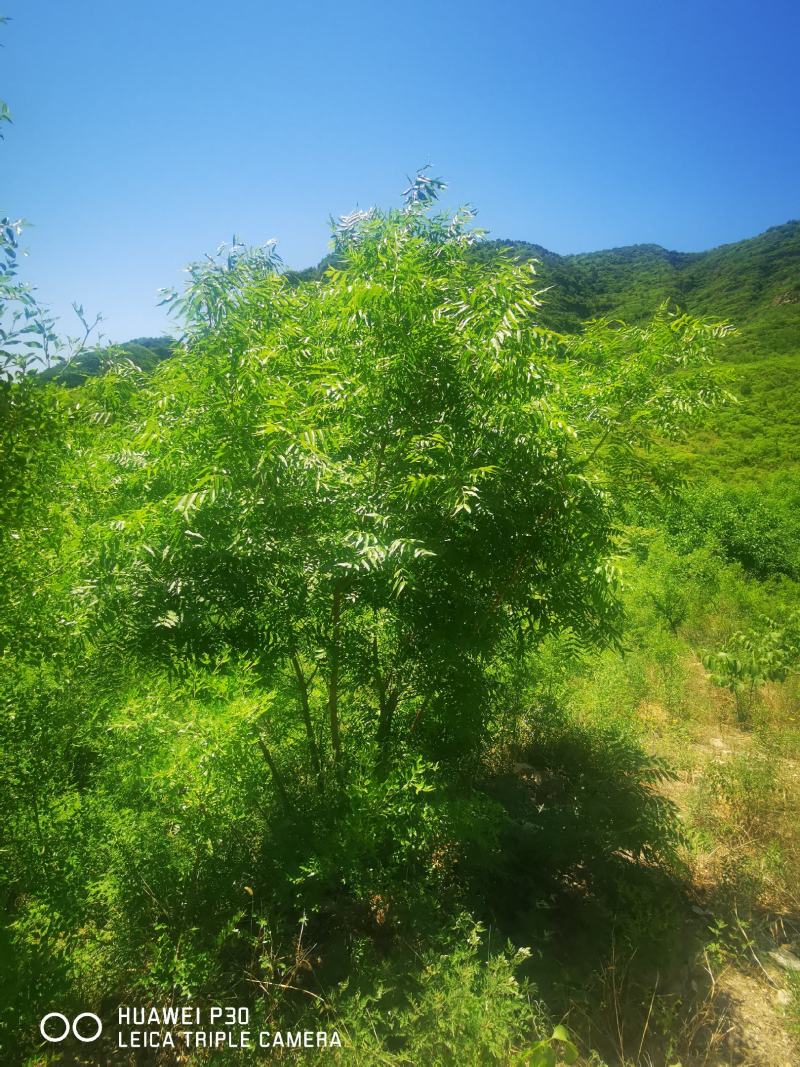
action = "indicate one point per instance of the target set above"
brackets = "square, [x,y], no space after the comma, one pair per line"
[388,705]
[333,683]
[302,686]
[276,778]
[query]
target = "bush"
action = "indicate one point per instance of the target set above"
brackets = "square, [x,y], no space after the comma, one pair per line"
[761,531]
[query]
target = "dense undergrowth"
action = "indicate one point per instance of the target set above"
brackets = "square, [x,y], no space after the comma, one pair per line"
[363,664]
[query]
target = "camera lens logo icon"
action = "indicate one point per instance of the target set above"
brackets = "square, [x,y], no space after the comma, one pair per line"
[61,1028]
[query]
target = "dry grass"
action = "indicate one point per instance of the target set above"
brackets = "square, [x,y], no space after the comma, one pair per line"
[739,792]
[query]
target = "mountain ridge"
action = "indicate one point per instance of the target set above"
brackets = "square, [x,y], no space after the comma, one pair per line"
[790,224]
[746,281]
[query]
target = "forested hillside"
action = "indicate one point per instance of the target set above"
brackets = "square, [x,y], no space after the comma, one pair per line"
[144,352]
[754,283]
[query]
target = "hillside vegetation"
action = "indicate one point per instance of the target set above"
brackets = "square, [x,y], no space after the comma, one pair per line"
[385,659]
[144,352]
[753,283]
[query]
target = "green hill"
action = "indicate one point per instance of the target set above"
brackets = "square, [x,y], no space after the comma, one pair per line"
[145,352]
[754,283]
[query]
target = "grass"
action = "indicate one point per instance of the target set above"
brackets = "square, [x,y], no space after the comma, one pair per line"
[738,794]
[755,438]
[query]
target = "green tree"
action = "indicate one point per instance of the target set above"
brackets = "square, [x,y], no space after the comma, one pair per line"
[371,482]
[750,658]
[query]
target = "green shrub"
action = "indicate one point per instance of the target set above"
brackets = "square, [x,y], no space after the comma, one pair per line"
[759,530]
[753,657]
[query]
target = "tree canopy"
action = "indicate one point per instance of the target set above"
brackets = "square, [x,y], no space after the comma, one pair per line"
[382,475]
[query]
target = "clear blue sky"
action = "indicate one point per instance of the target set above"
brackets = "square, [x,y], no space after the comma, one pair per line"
[146,133]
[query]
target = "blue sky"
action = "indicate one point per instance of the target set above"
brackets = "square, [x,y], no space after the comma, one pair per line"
[144,134]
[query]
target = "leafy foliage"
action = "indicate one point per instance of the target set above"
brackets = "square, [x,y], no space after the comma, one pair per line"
[758,529]
[753,657]
[269,605]
[376,477]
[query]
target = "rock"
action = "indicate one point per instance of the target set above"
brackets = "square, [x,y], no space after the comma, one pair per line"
[784,997]
[786,959]
[792,297]
[717,742]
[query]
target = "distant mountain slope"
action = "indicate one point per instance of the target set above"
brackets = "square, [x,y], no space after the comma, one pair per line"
[145,352]
[754,283]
